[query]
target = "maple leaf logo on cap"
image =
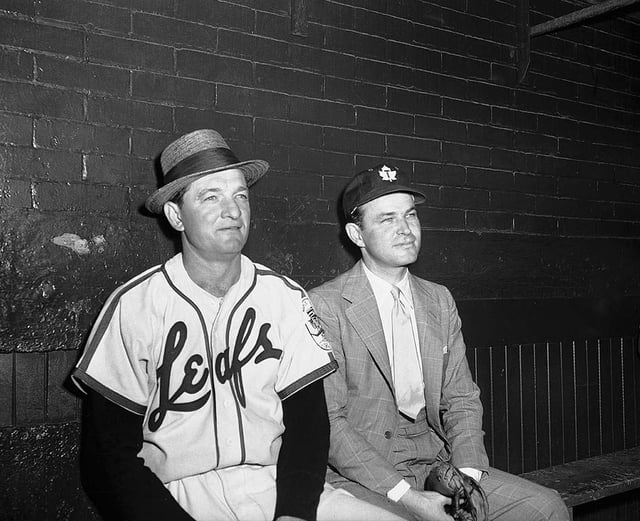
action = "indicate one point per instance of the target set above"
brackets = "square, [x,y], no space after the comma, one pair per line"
[387,174]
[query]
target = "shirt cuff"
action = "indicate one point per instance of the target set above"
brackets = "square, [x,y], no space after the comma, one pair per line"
[474,473]
[396,493]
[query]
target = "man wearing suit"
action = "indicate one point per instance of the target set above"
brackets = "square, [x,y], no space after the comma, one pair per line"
[403,397]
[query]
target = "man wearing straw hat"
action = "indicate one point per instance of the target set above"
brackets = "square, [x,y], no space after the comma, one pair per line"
[204,374]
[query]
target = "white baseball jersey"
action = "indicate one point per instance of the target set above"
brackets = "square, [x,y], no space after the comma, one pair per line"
[208,374]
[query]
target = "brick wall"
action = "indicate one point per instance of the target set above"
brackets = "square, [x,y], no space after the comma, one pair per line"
[533,187]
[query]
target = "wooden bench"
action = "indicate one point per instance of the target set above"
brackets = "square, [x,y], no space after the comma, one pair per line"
[566,414]
[590,479]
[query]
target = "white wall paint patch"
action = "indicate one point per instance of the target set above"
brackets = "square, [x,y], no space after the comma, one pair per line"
[73,242]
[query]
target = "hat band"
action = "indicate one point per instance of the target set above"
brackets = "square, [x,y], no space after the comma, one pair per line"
[209,159]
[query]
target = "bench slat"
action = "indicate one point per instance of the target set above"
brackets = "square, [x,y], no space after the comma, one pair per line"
[592,478]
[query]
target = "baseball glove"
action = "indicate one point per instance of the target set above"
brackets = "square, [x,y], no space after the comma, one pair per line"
[468,500]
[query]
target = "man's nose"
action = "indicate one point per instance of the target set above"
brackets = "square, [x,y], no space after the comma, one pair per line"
[230,208]
[403,227]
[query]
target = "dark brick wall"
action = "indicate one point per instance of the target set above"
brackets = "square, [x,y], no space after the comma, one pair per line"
[534,187]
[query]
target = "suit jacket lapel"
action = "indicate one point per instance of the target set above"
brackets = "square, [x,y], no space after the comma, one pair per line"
[431,346]
[364,317]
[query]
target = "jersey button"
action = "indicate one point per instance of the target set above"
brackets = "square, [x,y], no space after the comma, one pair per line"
[387,434]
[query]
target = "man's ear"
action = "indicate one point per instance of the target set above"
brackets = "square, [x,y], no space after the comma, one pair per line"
[174,215]
[355,234]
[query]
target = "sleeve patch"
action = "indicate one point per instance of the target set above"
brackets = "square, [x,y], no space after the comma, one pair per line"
[314,327]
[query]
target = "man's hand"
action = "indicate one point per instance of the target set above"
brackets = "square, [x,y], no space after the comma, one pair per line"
[426,505]
[469,501]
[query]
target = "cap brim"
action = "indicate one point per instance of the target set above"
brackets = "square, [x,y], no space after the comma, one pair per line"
[252,170]
[418,196]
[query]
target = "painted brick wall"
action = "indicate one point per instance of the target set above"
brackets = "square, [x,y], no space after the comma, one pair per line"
[533,188]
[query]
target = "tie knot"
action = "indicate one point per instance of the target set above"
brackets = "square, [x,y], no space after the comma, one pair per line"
[400,299]
[398,295]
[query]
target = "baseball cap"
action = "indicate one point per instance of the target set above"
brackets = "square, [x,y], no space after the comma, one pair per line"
[375,182]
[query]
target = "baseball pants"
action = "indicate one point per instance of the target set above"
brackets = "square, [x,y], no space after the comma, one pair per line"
[248,493]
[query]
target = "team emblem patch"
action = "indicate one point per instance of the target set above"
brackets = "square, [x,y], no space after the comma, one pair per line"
[313,325]
[387,174]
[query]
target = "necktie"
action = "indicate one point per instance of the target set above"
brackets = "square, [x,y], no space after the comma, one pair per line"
[407,368]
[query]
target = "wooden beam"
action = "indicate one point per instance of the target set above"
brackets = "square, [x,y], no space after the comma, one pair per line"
[579,16]
[299,21]
[524,42]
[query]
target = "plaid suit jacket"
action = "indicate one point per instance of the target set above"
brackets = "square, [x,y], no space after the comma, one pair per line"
[360,397]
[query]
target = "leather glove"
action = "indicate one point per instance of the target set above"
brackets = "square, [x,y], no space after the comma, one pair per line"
[468,500]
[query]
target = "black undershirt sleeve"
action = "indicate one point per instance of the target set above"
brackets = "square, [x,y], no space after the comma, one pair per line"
[302,463]
[115,477]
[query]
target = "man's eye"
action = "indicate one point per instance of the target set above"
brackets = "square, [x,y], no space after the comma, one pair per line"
[243,196]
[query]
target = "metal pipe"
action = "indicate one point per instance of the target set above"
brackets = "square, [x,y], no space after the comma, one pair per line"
[578,16]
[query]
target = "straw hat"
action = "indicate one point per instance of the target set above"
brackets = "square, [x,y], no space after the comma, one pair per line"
[194,155]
